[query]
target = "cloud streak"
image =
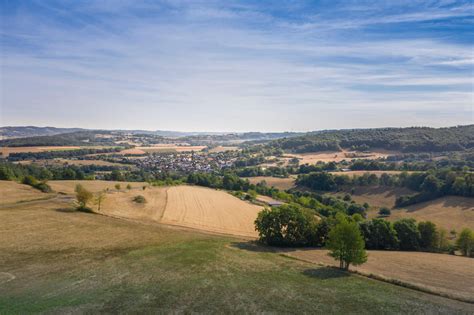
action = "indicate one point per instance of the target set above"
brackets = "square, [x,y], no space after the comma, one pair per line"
[231,66]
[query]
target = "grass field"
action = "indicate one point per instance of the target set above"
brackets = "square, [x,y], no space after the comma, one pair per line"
[446,274]
[56,260]
[280,183]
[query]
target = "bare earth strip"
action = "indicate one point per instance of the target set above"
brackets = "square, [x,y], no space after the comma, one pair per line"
[445,274]
[210,210]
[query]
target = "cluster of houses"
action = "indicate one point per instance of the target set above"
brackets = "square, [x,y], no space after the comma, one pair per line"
[186,162]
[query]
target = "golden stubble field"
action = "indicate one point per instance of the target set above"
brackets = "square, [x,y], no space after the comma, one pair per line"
[441,273]
[186,206]
[449,212]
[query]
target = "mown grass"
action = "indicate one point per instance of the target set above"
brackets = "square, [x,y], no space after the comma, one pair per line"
[199,273]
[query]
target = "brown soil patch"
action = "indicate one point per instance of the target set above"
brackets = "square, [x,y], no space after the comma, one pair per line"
[452,275]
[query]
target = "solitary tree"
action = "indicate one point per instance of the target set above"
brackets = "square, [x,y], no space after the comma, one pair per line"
[83,197]
[346,244]
[117,186]
[465,242]
[99,198]
[129,186]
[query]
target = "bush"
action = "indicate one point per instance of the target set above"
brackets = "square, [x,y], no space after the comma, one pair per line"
[287,225]
[83,197]
[384,211]
[139,199]
[33,182]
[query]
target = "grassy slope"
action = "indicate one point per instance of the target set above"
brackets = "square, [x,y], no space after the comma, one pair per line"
[68,261]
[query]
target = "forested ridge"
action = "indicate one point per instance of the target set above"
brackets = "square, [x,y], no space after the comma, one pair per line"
[413,139]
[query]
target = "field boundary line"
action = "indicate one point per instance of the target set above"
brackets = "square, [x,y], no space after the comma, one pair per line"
[397,282]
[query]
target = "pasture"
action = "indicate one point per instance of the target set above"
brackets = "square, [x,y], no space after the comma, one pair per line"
[56,260]
[280,183]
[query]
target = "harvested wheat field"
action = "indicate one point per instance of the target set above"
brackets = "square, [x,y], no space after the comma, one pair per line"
[445,274]
[280,183]
[210,210]
[187,206]
[12,192]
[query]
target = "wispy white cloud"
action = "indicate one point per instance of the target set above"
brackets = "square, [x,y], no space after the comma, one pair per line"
[194,65]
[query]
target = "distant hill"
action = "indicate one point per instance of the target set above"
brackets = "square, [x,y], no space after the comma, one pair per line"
[413,139]
[32,131]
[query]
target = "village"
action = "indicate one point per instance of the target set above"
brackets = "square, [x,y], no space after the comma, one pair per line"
[186,162]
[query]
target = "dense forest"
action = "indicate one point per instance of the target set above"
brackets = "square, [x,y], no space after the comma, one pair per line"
[79,138]
[414,139]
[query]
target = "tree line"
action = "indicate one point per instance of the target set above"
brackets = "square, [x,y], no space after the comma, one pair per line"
[292,225]
[414,139]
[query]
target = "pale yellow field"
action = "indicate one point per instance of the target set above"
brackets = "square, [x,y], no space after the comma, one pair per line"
[448,274]
[280,183]
[121,204]
[450,212]
[188,206]
[210,210]
[11,192]
[331,156]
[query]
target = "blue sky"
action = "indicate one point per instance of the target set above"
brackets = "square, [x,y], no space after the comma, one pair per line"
[237,65]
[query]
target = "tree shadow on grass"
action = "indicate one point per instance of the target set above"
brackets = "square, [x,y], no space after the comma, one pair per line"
[253,246]
[65,210]
[324,273]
